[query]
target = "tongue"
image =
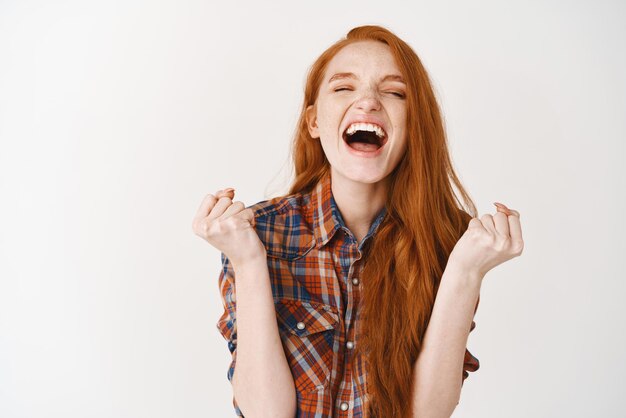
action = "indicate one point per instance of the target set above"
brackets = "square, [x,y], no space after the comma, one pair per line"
[364,146]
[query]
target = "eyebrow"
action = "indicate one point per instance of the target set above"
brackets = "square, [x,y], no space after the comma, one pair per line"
[341,76]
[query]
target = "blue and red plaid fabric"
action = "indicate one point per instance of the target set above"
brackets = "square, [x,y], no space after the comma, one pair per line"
[314,267]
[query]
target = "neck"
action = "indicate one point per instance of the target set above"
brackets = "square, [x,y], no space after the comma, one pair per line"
[359,203]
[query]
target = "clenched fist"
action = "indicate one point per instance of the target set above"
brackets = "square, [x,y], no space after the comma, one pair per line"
[489,241]
[229,227]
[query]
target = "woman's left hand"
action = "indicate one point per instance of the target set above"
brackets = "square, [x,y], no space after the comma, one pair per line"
[488,242]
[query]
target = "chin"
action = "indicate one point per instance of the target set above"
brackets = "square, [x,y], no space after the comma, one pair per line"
[362,175]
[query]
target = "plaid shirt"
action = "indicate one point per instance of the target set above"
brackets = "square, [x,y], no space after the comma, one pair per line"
[314,269]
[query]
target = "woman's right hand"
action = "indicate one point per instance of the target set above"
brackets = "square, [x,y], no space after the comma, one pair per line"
[229,227]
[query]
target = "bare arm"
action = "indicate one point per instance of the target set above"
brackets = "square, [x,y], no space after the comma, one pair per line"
[437,373]
[262,383]
[487,242]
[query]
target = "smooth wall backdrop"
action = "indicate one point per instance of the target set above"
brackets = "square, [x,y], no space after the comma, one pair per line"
[117,117]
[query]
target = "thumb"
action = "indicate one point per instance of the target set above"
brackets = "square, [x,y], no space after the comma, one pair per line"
[230,193]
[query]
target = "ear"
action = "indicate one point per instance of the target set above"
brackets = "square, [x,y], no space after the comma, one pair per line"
[311,121]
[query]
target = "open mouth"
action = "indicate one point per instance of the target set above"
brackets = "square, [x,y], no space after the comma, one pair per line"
[365,137]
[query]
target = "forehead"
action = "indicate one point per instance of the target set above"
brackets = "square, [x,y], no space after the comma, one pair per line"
[363,57]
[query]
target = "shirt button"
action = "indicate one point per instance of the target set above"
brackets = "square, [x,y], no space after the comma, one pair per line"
[300,325]
[350,344]
[344,406]
[355,281]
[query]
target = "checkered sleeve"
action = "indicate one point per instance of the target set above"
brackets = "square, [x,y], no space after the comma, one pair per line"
[470,363]
[227,324]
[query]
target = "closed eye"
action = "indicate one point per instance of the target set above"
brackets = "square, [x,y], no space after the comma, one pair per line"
[395,93]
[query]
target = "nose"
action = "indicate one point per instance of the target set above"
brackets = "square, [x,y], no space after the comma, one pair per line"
[368,102]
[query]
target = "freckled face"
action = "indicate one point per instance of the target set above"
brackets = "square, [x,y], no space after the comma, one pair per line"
[362,81]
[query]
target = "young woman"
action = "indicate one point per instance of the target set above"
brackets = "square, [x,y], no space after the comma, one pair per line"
[355,293]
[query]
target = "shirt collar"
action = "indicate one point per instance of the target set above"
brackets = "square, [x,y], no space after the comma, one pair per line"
[326,216]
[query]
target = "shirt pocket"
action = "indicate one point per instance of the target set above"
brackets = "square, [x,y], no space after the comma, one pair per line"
[307,331]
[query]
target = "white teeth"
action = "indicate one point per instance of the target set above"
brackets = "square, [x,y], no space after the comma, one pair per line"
[365,127]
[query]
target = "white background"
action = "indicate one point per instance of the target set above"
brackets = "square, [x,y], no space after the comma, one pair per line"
[117,117]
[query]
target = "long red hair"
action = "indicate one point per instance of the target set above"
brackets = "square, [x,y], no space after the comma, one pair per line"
[405,259]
